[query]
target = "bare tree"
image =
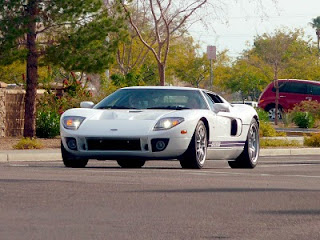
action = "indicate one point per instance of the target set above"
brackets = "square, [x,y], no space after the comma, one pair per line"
[132,53]
[169,19]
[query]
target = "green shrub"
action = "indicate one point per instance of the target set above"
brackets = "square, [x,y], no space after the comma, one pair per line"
[279,143]
[263,115]
[267,130]
[28,143]
[313,140]
[303,119]
[281,134]
[47,124]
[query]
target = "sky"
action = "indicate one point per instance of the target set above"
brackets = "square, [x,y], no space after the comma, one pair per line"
[243,20]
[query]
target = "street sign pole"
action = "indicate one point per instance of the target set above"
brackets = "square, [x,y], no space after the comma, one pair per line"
[211,75]
[212,55]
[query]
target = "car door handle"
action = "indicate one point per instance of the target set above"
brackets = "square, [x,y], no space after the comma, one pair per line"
[282,96]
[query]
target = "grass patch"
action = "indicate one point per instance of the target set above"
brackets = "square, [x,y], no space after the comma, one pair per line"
[279,143]
[28,143]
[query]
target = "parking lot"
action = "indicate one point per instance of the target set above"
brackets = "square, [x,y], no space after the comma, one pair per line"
[277,200]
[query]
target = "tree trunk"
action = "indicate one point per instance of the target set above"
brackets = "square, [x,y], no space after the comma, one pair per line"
[277,102]
[32,73]
[162,75]
[318,38]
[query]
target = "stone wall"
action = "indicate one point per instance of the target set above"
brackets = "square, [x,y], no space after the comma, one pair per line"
[12,110]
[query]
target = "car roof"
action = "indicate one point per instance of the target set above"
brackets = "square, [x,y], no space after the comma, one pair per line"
[169,88]
[299,80]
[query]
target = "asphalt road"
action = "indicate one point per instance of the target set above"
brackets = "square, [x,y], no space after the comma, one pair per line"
[280,199]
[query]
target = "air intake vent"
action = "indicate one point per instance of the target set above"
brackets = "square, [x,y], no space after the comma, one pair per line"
[95,144]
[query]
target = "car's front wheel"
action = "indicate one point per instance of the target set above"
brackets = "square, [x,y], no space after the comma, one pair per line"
[70,160]
[131,163]
[249,157]
[195,156]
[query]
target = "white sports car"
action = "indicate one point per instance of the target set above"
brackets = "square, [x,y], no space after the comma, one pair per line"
[136,124]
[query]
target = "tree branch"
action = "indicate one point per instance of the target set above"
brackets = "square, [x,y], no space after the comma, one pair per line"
[139,34]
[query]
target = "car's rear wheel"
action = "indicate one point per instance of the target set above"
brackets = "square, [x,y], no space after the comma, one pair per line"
[72,161]
[195,156]
[271,110]
[131,163]
[249,157]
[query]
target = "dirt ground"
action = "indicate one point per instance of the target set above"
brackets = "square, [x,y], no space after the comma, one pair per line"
[7,143]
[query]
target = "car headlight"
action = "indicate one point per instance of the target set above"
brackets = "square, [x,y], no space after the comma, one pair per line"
[72,122]
[167,123]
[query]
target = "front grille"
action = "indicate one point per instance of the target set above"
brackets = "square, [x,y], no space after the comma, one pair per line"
[114,144]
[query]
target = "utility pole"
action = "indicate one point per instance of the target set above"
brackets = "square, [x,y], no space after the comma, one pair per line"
[212,55]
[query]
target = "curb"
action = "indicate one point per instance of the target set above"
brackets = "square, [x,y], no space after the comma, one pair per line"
[289,152]
[30,155]
[55,155]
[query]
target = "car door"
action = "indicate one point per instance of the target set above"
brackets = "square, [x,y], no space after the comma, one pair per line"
[220,127]
[223,140]
[292,93]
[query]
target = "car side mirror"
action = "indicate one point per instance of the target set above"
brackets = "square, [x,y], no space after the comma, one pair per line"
[221,107]
[86,104]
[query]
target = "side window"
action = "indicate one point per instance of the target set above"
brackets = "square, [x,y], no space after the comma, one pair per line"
[215,98]
[211,103]
[295,87]
[292,87]
[315,90]
[282,87]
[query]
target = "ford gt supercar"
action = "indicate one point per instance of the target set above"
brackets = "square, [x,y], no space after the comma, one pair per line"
[136,124]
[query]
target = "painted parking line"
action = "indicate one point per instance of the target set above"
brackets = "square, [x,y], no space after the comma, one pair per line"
[254,174]
[289,160]
[18,165]
[286,165]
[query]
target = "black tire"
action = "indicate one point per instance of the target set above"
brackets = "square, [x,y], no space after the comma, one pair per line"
[249,157]
[131,163]
[271,109]
[195,156]
[72,161]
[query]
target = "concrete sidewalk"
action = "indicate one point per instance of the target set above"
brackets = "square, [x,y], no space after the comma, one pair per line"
[55,154]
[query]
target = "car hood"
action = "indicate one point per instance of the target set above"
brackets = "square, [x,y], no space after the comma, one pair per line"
[117,122]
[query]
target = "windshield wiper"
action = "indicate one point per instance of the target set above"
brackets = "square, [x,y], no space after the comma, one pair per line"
[116,107]
[170,107]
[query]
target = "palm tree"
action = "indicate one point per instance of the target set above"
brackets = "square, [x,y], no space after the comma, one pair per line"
[316,25]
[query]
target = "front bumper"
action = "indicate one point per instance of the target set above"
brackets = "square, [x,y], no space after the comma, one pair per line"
[129,147]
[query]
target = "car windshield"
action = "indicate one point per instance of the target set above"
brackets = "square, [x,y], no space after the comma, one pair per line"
[153,99]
